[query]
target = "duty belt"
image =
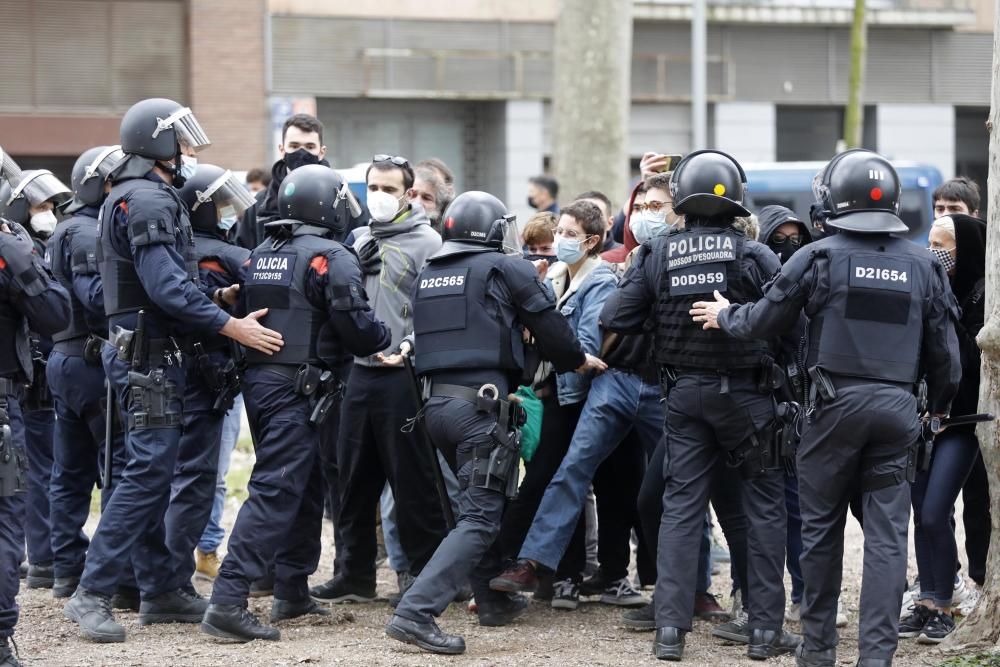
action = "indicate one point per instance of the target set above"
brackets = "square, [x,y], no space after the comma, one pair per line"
[480,397]
[157,349]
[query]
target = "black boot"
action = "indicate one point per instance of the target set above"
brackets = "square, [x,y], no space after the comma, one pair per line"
[874,662]
[262,587]
[766,644]
[339,589]
[643,618]
[178,606]
[282,610]
[427,636]
[92,612]
[40,575]
[669,644]
[126,598]
[501,611]
[64,587]
[230,621]
[403,581]
[804,658]
[8,653]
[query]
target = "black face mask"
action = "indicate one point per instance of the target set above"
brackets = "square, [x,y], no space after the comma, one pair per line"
[784,250]
[531,202]
[300,158]
[551,259]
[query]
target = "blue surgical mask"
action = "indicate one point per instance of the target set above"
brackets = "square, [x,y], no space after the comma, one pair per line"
[189,165]
[569,250]
[647,225]
[225,224]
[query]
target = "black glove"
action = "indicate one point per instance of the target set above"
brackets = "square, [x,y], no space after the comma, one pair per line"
[371,260]
[16,249]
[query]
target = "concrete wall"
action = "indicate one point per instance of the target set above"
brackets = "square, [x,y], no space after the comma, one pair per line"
[486,10]
[746,130]
[523,126]
[919,132]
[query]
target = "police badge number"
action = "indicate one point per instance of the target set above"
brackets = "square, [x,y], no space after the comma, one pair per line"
[696,263]
[273,269]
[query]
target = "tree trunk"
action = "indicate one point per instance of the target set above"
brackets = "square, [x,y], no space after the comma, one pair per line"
[854,116]
[593,58]
[982,628]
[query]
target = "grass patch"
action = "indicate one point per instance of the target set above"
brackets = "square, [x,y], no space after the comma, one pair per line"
[238,478]
[977,660]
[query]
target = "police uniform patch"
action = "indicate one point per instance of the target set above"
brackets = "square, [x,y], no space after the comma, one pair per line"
[442,283]
[272,269]
[696,263]
[879,289]
[879,272]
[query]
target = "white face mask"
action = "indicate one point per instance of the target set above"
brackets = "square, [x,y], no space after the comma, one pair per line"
[383,206]
[44,223]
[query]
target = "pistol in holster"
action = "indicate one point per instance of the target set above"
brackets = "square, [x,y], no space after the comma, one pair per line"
[151,396]
[323,389]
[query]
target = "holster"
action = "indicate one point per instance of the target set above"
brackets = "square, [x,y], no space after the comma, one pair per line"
[38,396]
[770,376]
[92,350]
[224,381]
[151,395]
[328,393]
[13,462]
[502,467]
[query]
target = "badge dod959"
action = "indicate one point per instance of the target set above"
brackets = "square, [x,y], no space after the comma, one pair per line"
[696,263]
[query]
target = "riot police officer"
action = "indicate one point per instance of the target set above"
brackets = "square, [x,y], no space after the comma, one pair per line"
[31,203]
[74,370]
[470,305]
[719,397]
[312,288]
[879,310]
[146,257]
[30,298]
[214,199]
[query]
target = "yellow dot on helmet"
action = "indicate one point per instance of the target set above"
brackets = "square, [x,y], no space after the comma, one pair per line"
[720,189]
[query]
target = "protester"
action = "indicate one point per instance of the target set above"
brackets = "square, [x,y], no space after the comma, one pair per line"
[543,194]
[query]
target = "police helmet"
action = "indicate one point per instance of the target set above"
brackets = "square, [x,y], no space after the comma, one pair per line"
[157,127]
[316,195]
[859,191]
[35,187]
[707,184]
[9,171]
[214,193]
[90,172]
[479,217]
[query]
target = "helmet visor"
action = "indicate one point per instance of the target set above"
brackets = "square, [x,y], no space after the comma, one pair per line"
[226,192]
[187,128]
[39,186]
[9,171]
[103,164]
[511,240]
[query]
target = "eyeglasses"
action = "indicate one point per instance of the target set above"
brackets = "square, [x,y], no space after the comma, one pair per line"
[570,233]
[653,206]
[394,159]
[794,239]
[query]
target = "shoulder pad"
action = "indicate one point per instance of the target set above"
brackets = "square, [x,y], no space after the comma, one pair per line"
[152,217]
[788,281]
[344,282]
[526,290]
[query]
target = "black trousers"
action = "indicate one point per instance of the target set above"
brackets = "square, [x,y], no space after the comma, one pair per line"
[616,486]
[329,433]
[371,449]
[977,520]
[558,424]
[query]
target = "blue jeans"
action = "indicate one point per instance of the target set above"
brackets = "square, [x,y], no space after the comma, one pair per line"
[617,402]
[214,533]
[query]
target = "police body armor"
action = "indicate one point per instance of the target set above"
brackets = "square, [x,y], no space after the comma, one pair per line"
[231,257]
[458,324]
[871,326]
[123,291]
[276,280]
[696,262]
[79,233]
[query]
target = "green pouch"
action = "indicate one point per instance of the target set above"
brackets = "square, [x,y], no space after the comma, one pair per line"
[531,432]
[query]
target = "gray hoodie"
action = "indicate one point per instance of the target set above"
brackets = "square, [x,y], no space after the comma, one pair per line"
[404,246]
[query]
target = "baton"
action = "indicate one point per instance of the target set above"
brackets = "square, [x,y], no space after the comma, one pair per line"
[963,420]
[109,396]
[449,515]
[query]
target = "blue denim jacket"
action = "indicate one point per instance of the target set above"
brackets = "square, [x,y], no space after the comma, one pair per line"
[582,310]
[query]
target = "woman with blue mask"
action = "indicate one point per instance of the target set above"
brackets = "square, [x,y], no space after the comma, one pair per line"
[581,282]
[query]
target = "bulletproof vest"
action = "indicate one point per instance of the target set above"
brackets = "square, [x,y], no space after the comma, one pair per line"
[276,280]
[78,235]
[15,343]
[457,322]
[696,262]
[230,256]
[872,323]
[123,291]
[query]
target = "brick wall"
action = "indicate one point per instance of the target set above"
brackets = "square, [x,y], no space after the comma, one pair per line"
[227,87]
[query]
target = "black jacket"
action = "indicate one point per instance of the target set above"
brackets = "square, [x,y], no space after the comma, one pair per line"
[969,286]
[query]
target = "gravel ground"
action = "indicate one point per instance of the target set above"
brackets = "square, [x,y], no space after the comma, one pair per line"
[354,634]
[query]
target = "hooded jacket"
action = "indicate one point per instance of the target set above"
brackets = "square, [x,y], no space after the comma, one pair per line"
[405,243]
[771,217]
[969,286]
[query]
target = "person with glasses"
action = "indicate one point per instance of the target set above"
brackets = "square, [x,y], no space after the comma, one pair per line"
[782,231]
[373,447]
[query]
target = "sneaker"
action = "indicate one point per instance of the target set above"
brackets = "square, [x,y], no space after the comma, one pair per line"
[643,618]
[403,581]
[521,577]
[736,630]
[566,595]
[706,607]
[8,653]
[794,613]
[937,629]
[620,593]
[338,590]
[841,613]
[206,565]
[914,621]
[962,594]
[968,604]
[594,585]
[910,597]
